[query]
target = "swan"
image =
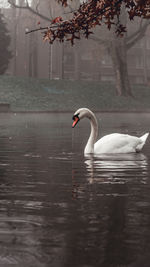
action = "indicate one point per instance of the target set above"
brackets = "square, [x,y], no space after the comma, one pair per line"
[111,143]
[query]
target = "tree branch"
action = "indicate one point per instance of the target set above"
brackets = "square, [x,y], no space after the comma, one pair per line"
[137,35]
[41,29]
[131,36]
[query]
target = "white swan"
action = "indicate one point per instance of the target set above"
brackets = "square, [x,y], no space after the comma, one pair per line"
[112,143]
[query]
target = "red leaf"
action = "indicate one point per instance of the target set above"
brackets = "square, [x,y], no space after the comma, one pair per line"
[57,20]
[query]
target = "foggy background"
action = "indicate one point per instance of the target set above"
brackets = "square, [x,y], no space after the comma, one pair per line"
[86,60]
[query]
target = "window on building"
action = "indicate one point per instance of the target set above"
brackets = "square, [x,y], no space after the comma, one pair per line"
[86,56]
[106,60]
[69,58]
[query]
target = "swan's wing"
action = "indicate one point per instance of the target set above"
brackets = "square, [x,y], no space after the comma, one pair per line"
[117,143]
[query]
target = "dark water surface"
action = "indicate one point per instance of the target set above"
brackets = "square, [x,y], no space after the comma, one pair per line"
[59,209]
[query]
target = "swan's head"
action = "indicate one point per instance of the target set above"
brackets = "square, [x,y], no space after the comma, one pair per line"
[80,114]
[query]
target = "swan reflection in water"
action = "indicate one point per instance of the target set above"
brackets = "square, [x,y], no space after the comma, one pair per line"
[116,168]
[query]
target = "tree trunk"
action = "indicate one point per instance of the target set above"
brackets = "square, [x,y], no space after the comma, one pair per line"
[30,67]
[35,56]
[15,42]
[119,59]
[61,65]
[76,63]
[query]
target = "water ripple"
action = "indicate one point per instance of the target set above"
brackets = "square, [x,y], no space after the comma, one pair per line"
[117,168]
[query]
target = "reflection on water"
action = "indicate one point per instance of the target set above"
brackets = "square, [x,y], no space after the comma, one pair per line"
[58,208]
[119,168]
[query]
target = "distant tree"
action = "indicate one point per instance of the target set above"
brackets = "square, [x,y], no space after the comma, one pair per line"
[5,54]
[118,48]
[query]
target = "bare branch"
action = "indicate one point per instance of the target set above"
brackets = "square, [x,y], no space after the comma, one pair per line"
[39,29]
[27,7]
[140,33]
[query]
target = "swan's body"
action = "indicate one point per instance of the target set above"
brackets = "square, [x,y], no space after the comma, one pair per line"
[112,143]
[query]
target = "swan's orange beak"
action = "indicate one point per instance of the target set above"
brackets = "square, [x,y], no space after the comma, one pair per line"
[75,121]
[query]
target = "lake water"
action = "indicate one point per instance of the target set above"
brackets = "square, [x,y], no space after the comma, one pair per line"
[58,208]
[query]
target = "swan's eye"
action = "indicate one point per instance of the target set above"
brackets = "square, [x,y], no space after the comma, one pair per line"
[75,120]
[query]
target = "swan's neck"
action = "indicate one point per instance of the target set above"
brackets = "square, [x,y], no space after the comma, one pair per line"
[93,135]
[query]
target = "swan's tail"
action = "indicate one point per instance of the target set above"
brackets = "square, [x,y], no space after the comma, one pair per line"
[143,139]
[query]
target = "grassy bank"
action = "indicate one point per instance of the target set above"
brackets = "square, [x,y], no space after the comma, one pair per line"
[25,94]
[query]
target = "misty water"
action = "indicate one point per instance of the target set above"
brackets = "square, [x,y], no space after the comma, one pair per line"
[58,208]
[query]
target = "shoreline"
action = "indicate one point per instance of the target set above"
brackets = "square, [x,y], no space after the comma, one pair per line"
[72,111]
[22,95]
